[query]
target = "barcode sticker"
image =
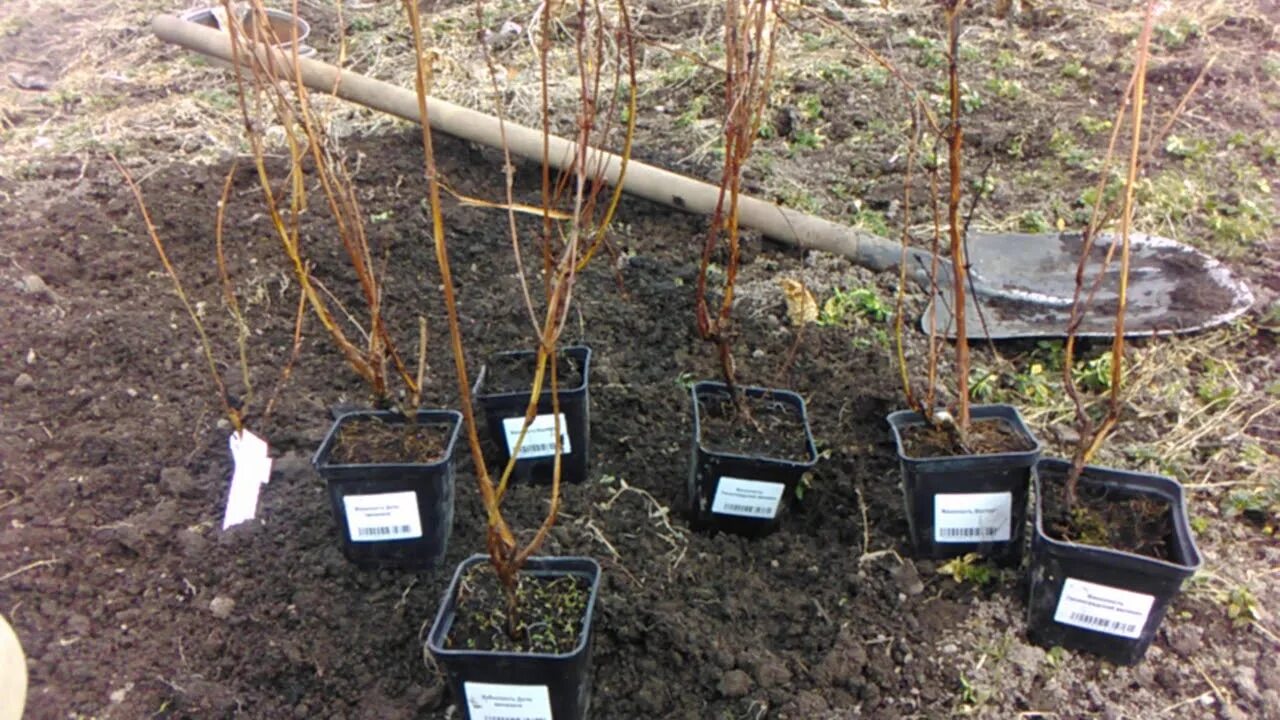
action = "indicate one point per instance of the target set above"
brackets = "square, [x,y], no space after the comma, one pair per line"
[540,439]
[747,498]
[972,517]
[1103,608]
[490,701]
[383,516]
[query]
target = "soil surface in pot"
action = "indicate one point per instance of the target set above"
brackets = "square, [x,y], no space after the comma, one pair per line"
[551,612]
[1106,518]
[986,437]
[371,441]
[514,373]
[770,428]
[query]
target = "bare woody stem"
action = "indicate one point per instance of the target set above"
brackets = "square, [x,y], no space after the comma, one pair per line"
[1091,442]
[959,264]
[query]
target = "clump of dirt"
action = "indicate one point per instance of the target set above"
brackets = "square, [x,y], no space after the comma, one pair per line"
[373,441]
[769,428]
[552,613]
[1105,517]
[514,373]
[985,437]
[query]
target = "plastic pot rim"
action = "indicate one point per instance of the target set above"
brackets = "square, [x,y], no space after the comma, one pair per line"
[1179,519]
[320,459]
[584,350]
[449,601]
[709,386]
[912,418]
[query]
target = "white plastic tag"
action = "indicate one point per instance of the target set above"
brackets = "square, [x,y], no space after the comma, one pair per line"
[540,439]
[382,516]
[972,517]
[1103,608]
[252,471]
[489,701]
[747,498]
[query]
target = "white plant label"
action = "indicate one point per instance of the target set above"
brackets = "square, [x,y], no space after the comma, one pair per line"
[1103,608]
[489,701]
[383,516]
[252,470]
[747,498]
[540,439]
[972,517]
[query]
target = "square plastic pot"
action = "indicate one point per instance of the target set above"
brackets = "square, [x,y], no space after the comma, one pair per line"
[393,515]
[960,504]
[744,494]
[1099,600]
[504,415]
[531,686]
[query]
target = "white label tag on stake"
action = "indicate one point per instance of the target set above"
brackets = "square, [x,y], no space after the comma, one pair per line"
[747,498]
[489,701]
[383,516]
[252,471]
[1103,608]
[972,517]
[540,439]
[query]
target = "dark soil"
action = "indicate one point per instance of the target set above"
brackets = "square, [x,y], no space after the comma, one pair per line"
[372,441]
[514,373]
[768,428]
[985,437]
[551,612]
[1105,518]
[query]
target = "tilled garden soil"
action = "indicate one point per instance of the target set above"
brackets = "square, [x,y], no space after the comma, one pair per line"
[133,603]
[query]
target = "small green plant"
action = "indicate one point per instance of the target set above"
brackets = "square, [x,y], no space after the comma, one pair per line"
[1094,374]
[810,106]
[1034,385]
[967,568]
[1033,221]
[693,113]
[1176,35]
[1004,89]
[1055,657]
[806,139]
[984,385]
[1242,606]
[1193,149]
[846,306]
[1092,125]
[983,186]
[1256,503]
[1075,70]
[1199,524]
[876,76]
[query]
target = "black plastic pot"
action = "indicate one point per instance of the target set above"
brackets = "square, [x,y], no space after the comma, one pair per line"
[960,504]
[532,685]
[1096,599]
[504,416]
[392,515]
[743,494]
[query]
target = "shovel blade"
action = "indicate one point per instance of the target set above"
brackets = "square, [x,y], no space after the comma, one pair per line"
[1022,286]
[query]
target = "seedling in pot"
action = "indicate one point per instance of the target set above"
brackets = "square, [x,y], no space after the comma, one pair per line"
[965,468]
[516,641]
[389,469]
[1111,548]
[737,482]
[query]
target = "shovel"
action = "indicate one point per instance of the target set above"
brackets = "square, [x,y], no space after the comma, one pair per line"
[1022,285]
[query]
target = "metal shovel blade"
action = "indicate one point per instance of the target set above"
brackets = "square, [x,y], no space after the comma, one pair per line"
[1023,285]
